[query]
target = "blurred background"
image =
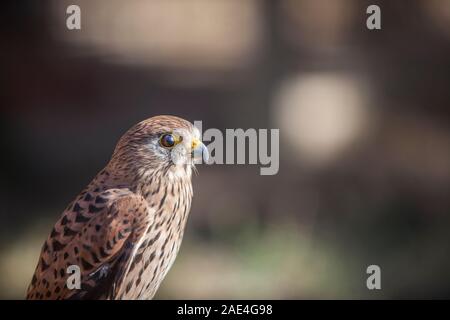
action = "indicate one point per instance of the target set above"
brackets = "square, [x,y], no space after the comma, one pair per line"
[364,123]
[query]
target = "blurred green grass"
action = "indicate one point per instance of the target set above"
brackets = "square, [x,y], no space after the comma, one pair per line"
[283,260]
[277,263]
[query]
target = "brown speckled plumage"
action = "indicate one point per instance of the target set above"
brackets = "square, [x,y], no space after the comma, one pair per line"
[125,228]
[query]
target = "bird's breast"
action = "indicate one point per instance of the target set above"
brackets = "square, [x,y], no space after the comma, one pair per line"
[156,251]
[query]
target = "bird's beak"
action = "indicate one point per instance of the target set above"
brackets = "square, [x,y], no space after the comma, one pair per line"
[199,151]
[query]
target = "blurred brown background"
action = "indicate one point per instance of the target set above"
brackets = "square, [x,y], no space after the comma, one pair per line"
[364,123]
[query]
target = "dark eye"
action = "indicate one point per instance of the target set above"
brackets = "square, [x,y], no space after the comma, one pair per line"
[167,140]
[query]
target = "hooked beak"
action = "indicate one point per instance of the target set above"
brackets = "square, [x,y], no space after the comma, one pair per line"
[199,151]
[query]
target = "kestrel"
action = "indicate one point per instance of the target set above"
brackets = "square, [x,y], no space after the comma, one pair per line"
[124,229]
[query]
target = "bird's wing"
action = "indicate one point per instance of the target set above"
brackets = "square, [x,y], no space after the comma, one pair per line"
[102,248]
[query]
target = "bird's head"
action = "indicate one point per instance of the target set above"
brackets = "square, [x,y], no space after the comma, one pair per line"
[166,144]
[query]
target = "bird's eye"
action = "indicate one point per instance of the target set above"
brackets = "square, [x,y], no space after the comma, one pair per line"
[167,140]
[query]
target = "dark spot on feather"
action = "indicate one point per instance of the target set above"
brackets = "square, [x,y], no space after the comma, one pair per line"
[54,233]
[165,243]
[87,197]
[57,246]
[128,288]
[138,258]
[77,208]
[162,199]
[144,244]
[80,218]
[64,221]
[86,265]
[154,239]
[100,200]
[103,254]
[93,209]
[69,232]
[94,257]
